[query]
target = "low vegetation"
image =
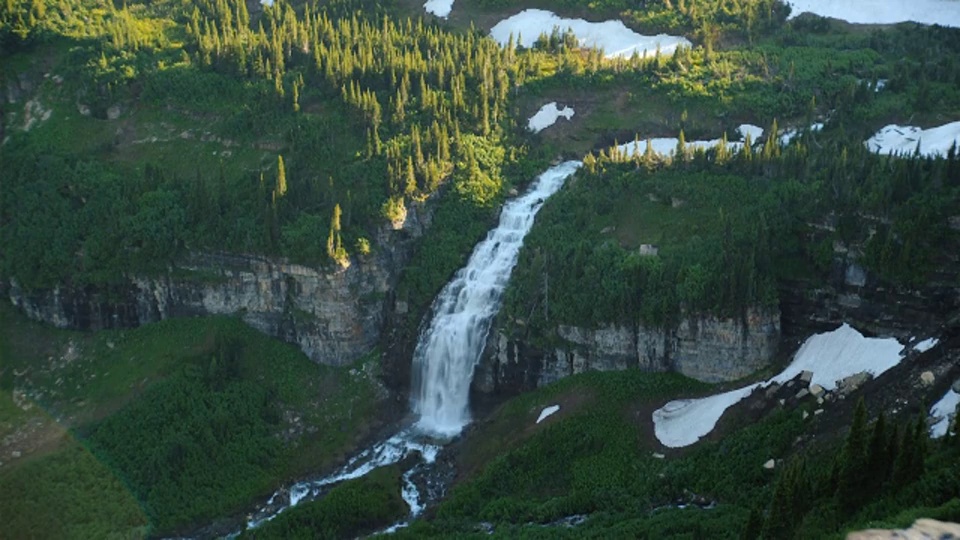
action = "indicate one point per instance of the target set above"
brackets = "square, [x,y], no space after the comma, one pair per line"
[168,426]
[355,507]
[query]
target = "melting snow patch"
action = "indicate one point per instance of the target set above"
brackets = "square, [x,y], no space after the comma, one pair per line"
[755,132]
[942,12]
[894,139]
[788,135]
[547,412]
[666,146]
[831,356]
[440,8]
[547,116]
[940,413]
[611,36]
[683,422]
[926,345]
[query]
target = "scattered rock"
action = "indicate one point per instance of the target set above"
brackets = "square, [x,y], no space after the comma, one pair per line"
[401,307]
[922,528]
[855,276]
[110,345]
[806,415]
[783,402]
[806,377]
[956,386]
[770,464]
[113,112]
[677,203]
[818,412]
[803,393]
[607,230]
[513,192]
[15,454]
[927,378]
[853,382]
[819,401]
[648,250]
[84,110]
[658,455]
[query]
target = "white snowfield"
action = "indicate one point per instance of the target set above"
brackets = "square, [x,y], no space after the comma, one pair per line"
[666,146]
[940,413]
[942,12]
[835,355]
[548,116]
[894,139]
[440,8]
[611,36]
[547,411]
[683,422]
[831,356]
[926,345]
[788,135]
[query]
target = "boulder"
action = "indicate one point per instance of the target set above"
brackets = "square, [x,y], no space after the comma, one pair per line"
[853,382]
[922,528]
[956,386]
[770,464]
[802,393]
[927,378]
[806,377]
[817,390]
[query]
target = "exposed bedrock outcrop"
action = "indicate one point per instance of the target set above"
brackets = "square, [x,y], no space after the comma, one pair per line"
[858,296]
[335,315]
[714,349]
[704,347]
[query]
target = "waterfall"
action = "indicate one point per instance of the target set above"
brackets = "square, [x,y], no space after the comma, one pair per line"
[449,349]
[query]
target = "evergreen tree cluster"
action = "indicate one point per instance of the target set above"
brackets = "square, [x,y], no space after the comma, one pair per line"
[874,463]
[731,226]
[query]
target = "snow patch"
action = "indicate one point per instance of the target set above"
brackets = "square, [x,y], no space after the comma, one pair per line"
[683,422]
[755,132]
[548,116]
[894,139]
[788,135]
[831,356]
[940,413]
[942,12]
[547,411]
[666,146]
[611,36]
[440,8]
[926,345]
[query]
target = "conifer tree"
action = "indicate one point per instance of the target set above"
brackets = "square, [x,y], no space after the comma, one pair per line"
[851,488]
[878,462]
[280,189]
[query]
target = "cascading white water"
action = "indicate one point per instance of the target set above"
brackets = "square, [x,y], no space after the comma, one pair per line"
[444,359]
[449,349]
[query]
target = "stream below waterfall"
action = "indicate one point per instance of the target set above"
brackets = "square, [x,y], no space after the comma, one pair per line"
[444,359]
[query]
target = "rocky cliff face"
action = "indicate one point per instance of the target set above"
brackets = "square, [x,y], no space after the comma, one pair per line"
[707,348]
[857,296]
[334,315]
[713,350]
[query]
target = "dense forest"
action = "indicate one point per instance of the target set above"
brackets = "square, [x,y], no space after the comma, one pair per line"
[728,226]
